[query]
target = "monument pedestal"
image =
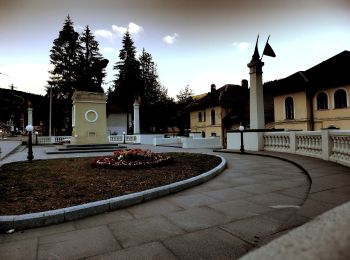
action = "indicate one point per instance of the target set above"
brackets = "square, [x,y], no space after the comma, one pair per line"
[89,118]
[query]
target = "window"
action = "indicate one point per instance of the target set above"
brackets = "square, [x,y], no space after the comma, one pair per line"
[289,107]
[199,116]
[340,99]
[212,116]
[322,101]
[204,116]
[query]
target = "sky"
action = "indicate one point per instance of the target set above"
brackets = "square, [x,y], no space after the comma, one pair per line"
[194,43]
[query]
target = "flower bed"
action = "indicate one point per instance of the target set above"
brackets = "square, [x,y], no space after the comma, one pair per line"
[131,158]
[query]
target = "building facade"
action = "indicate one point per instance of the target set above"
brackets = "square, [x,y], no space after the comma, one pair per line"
[220,110]
[316,98]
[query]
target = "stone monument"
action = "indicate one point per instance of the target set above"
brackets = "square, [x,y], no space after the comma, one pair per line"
[89,118]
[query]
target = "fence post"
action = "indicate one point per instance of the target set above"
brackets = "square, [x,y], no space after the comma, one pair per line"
[326,148]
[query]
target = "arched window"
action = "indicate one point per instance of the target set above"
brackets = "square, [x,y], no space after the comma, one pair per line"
[199,116]
[212,116]
[322,101]
[289,107]
[340,99]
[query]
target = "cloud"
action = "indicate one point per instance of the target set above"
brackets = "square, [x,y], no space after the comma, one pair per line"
[170,39]
[132,27]
[79,28]
[241,46]
[104,34]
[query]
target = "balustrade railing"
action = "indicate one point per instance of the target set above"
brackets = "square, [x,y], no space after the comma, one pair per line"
[53,139]
[309,143]
[332,145]
[340,147]
[277,141]
[66,139]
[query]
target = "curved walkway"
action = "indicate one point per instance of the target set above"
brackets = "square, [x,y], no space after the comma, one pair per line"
[255,200]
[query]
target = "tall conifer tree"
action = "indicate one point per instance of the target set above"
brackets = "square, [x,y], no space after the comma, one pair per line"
[91,73]
[63,79]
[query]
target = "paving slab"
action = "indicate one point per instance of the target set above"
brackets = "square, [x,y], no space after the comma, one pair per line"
[330,196]
[313,208]
[238,209]
[210,243]
[275,199]
[77,244]
[153,250]
[192,200]
[140,231]
[197,218]
[228,194]
[23,249]
[300,192]
[254,229]
[38,232]
[153,208]
[103,219]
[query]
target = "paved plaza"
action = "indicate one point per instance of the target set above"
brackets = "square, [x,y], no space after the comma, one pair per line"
[255,200]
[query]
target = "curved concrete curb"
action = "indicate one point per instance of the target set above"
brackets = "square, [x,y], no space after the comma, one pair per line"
[39,219]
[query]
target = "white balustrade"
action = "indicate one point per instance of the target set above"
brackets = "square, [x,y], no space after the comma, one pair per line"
[332,145]
[309,143]
[340,147]
[53,139]
[277,141]
[116,138]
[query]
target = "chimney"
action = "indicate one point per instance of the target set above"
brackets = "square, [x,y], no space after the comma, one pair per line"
[212,88]
[244,83]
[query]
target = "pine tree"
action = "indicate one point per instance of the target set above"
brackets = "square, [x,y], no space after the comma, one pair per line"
[63,79]
[152,90]
[64,58]
[91,63]
[127,84]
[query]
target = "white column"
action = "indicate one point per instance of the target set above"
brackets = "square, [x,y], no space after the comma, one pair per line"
[257,115]
[30,116]
[136,118]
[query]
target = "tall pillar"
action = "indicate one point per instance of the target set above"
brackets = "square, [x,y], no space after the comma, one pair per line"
[136,117]
[257,115]
[30,116]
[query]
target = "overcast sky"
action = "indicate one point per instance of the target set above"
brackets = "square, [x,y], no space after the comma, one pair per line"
[193,43]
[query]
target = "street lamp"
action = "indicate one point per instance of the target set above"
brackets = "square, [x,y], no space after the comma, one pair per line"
[124,137]
[30,156]
[241,129]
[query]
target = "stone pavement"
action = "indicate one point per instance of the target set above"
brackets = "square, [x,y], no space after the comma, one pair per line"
[7,147]
[255,200]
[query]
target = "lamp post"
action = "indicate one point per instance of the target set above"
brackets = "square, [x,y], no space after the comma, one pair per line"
[124,137]
[1,134]
[241,129]
[30,156]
